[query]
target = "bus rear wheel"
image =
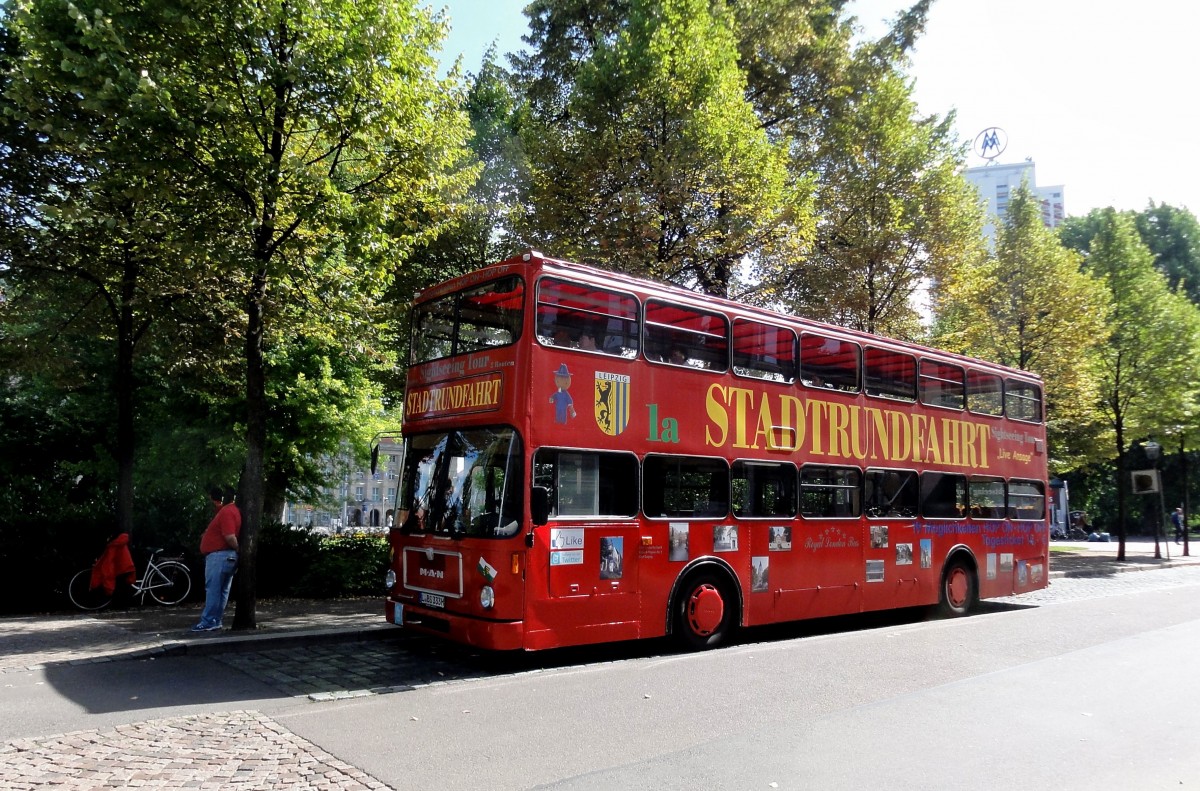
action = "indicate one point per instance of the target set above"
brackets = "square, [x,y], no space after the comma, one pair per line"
[705,612]
[960,589]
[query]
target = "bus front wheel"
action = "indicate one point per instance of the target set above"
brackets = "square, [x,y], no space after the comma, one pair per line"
[959,588]
[705,613]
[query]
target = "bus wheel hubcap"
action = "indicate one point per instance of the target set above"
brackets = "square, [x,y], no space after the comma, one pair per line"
[956,587]
[705,610]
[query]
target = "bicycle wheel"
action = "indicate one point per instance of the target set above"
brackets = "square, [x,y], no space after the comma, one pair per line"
[83,596]
[171,582]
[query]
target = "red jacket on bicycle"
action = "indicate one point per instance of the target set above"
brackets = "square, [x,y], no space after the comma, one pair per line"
[114,564]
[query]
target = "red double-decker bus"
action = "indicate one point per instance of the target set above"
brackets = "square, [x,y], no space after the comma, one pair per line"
[591,457]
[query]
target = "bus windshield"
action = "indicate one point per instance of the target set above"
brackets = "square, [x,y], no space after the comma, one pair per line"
[463,483]
[468,321]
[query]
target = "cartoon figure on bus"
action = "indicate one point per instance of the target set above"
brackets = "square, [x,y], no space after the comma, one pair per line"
[564,405]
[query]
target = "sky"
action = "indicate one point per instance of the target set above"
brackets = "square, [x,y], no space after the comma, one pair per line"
[1102,95]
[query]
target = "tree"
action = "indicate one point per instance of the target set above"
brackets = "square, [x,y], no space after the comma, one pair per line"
[484,226]
[1029,306]
[797,57]
[1145,370]
[325,126]
[322,400]
[646,156]
[327,148]
[895,214]
[1173,236]
[91,227]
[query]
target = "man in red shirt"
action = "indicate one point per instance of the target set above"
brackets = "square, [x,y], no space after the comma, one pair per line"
[219,545]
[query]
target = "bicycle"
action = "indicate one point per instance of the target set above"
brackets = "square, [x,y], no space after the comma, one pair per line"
[168,581]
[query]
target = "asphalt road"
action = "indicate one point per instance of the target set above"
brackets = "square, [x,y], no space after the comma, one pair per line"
[1086,685]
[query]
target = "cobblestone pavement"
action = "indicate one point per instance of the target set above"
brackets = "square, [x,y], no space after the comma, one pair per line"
[1095,586]
[354,669]
[242,749]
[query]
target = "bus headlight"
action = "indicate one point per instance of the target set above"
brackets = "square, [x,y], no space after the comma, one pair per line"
[487,597]
[390,579]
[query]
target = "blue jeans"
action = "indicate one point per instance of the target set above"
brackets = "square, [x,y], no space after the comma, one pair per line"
[218,579]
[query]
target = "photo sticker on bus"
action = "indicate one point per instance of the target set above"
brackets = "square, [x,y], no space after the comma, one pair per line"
[759,566]
[725,538]
[875,570]
[679,541]
[612,554]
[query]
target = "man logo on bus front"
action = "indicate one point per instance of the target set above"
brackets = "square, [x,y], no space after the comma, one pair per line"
[564,405]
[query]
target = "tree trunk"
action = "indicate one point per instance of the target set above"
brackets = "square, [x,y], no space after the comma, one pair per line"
[253,482]
[125,387]
[251,495]
[1122,489]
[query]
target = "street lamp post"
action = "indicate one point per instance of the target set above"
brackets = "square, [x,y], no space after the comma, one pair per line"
[1153,450]
[1186,505]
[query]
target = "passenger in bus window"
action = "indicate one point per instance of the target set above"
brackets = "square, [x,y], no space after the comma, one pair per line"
[562,337]
[676,356]
[446,508]
[587,339]
[612,342]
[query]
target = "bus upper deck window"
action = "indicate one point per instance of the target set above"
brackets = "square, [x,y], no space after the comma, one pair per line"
[587,318]
[763,351]
[689,337]
[1022,401]
[829,363]
[985,393]
[890,374]
[942,384]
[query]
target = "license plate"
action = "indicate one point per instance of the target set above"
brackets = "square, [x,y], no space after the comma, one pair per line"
[433,600]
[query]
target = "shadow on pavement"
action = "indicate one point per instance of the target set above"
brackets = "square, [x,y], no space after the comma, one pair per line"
[152,683]
[352,669]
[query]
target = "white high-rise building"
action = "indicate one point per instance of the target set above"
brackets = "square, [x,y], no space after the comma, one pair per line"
[996,182]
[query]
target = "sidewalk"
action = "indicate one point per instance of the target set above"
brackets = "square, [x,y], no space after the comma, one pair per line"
[150,630]
[1098,558]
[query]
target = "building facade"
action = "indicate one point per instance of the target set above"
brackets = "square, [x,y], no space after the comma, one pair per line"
[361,500]
[997,182]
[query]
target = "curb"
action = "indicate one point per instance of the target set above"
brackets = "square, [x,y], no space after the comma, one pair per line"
[237,642]
[1122,567]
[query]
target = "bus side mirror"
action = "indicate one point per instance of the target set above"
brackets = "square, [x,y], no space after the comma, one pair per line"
[539,505]
[374,458]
